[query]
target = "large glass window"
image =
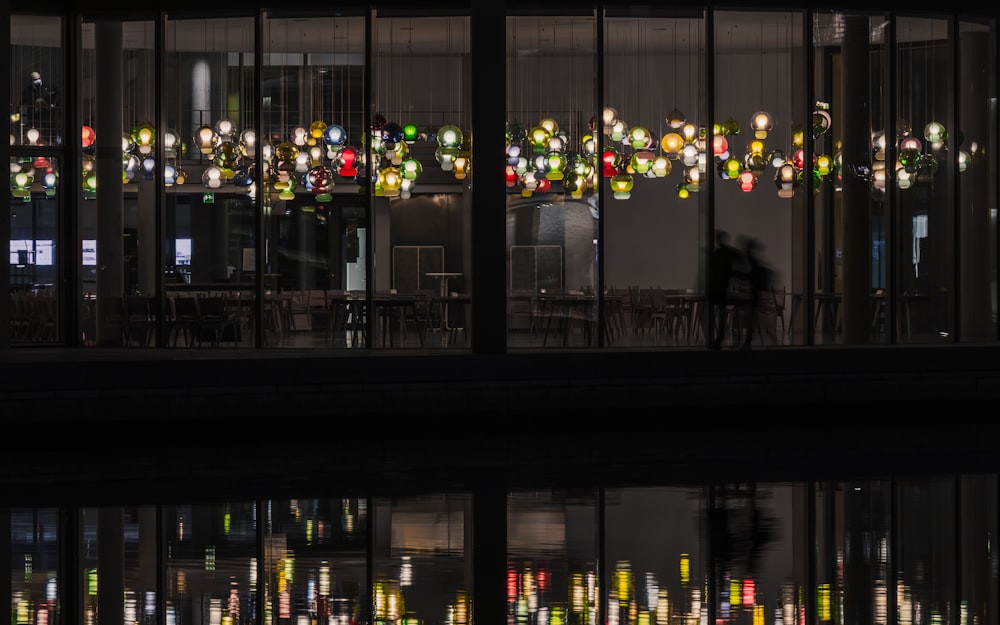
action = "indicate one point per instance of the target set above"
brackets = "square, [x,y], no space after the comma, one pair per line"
[211,183]
[37,127]
[971,149]
[553,181]
[313,151]
[759,178]
[651,160]
[923,181]
[422,175]
[850,208]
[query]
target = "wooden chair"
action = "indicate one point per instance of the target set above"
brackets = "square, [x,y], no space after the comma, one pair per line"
[183,319]
[218,321]
[139,321]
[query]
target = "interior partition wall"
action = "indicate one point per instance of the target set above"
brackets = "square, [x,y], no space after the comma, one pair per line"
[299,167]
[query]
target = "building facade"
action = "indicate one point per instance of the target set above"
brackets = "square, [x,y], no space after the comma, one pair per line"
[293,169]
[540,220]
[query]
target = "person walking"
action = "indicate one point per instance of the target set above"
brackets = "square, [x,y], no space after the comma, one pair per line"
[758,277]
[720,271]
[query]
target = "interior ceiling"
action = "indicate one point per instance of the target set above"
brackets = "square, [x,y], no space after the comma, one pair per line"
[735,32]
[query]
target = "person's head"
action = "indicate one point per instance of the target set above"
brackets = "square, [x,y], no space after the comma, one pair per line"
[36,79]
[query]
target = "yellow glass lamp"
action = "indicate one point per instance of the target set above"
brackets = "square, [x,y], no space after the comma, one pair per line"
[672,143]
[317,129]
[824,164]
[539,136]
[731,168]
[391,181]
[621,185]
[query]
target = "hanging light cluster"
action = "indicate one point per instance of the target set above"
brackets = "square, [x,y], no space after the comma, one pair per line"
[311,158]
[538,156]
[396,169]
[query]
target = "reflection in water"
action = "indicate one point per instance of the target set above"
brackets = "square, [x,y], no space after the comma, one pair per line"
[740,528]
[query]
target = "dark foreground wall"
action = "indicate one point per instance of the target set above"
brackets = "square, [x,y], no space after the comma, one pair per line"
[96,425]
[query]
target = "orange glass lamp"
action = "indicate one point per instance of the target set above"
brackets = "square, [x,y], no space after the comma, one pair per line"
[461,166]
[672,143]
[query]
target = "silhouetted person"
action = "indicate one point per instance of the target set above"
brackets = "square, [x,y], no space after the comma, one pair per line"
[758,278]
[721,265]
[38,99]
